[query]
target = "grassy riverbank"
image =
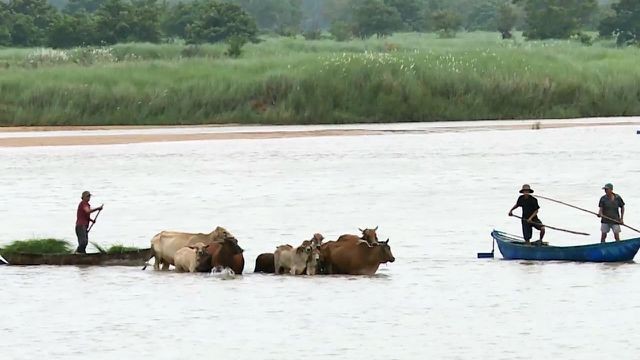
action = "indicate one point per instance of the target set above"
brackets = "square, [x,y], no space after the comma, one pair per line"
[408,77]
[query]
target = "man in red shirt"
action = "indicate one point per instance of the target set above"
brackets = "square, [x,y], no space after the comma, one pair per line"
[82,221]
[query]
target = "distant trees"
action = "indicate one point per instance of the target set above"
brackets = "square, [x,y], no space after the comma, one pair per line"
[97,22]
[215,21]
[446,23]
[92,22]
[375,17]
[624,24]
[555,19]
[506,20]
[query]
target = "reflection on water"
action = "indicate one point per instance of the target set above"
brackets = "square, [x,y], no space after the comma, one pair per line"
[436,196]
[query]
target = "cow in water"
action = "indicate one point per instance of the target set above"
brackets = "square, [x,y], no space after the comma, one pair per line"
[368,235]
[165,244]
[355,257]
[295,261]
[227,254]
[265,264]
[193,258]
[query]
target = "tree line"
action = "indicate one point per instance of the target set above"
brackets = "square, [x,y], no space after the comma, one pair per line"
[69,23]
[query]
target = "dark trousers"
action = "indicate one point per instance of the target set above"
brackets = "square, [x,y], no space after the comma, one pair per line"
[527,228]
[83,238]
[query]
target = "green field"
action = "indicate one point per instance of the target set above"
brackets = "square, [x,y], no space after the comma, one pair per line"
[407,77]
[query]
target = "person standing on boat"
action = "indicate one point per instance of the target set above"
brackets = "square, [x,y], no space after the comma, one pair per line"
[530,208]
[83,219]
[611,219]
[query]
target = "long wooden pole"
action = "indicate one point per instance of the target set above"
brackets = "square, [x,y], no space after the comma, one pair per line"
[589,211]
[555,228]
[94,221]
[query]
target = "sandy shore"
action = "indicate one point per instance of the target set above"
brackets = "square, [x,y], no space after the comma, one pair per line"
[258,132]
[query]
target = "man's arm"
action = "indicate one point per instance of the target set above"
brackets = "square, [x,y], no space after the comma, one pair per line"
[513,208]
[532,216]
[622,215]
[96,209]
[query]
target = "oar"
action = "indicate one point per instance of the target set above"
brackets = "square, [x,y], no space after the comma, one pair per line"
[554,228]
[94,221]
[488,255]
[589,211]
[3,261]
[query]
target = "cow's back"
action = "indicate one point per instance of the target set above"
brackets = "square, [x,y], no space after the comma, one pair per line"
[344,256]
[167,243]
[265,263]
[348,237]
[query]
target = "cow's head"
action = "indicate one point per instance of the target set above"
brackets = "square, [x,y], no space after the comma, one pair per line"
[203,258]
[370,235]
[222,234]
[317,239]
[385,252]
[305,250]
[230,244]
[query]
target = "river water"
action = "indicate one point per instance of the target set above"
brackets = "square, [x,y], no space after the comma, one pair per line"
[436,195]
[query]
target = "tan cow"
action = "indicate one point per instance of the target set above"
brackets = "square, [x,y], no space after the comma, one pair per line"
[193,258]
[293,260]
[314,263]
[368,235]
[355,257]
[165,244]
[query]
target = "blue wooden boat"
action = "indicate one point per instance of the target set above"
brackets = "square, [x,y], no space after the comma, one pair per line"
[513,248]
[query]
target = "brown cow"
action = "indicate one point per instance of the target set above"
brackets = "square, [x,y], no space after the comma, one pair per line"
[368,235]
[227,254]
[355,257]
[265,264]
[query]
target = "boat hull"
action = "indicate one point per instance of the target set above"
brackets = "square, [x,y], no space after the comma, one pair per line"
[513,248]
[128,258]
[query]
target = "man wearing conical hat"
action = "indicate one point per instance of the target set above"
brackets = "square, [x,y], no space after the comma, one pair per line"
[530,208]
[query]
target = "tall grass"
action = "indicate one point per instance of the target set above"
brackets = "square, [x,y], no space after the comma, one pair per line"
[408,77]
[37,246]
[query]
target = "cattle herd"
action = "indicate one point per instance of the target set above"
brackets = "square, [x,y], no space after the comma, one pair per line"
[218,250]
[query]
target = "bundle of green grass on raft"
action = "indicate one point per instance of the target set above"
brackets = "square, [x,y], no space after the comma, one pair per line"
[37,246]
[405,77]
[114,249]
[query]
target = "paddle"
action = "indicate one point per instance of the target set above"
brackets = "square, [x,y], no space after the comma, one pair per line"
[487,255]
[94,221]
[554,228]
[589,211]
[3,261]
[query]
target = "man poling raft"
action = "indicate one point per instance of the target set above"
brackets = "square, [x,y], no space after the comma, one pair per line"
[83,219]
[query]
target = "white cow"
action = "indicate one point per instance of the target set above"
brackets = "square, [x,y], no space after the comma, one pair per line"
[193,258]
[294,260]
[165,244]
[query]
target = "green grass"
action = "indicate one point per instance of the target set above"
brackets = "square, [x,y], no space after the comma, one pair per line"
[37,246]
[407,77]
[114,249]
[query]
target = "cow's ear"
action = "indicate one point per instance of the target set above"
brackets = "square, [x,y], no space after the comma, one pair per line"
[376,229]
[205,247]
[360,230]
[193,248]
